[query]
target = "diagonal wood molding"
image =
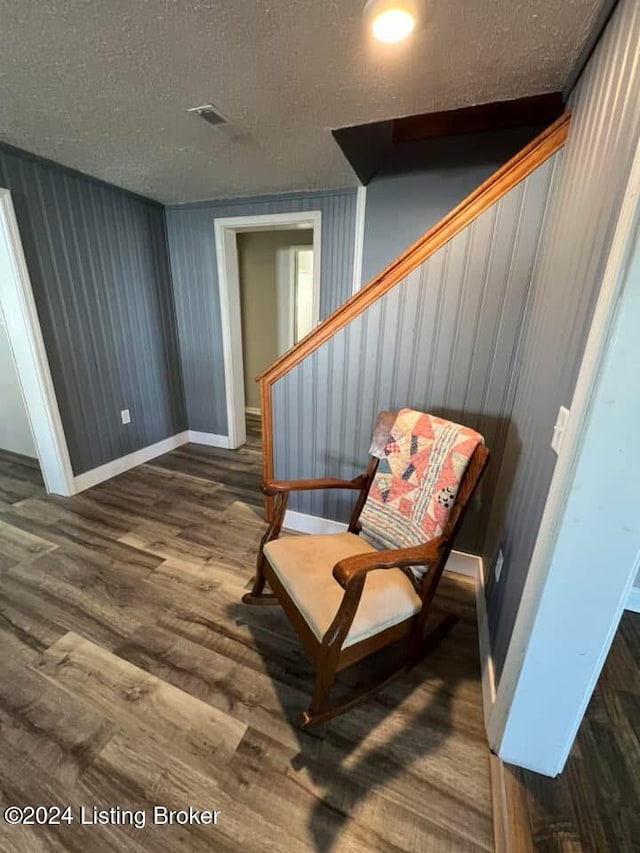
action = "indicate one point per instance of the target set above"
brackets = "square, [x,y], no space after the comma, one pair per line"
[488,193]
[497,185]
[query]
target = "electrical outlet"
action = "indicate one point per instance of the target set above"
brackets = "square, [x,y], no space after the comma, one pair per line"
[125,416]
[498,567]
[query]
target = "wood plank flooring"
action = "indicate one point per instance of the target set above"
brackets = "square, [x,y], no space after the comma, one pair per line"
[594,805]
[132,675]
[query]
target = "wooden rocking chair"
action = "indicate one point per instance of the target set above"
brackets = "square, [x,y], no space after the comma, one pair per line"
[341,606]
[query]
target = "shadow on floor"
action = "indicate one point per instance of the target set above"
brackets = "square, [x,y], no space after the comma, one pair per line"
[411,722]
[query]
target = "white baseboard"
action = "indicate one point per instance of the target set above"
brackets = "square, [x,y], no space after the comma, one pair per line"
[124,463]
[461,563]
[458,562]
[484,642]
[633,602]
[208,438]
[303,523]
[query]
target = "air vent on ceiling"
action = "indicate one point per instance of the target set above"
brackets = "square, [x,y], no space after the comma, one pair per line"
[209,113]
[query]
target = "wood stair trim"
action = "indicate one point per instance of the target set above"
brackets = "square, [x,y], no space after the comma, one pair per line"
[497,185]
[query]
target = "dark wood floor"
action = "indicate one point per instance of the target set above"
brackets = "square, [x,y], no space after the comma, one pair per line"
[594,805]
[131,675]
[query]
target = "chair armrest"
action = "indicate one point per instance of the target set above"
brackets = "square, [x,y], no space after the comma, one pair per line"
[399,558]
[276,487]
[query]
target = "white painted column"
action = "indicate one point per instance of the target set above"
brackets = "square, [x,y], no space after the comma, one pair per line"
[358,241]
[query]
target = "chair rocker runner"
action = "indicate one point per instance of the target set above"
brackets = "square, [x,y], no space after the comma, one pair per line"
[350,594]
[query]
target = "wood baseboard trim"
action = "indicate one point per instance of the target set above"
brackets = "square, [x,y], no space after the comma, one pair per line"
[511,823]
[484,643]
[498,804]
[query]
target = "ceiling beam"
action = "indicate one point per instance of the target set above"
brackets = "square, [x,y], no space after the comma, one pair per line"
[500,115]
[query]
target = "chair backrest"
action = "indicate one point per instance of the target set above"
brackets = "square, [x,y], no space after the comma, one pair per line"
[419,474]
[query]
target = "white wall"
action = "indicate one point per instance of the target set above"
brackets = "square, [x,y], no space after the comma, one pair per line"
[15,430]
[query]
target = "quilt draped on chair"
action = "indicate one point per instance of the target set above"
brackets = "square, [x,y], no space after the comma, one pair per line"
[418,476]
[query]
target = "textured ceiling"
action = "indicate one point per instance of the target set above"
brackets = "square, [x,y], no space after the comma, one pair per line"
[103,85]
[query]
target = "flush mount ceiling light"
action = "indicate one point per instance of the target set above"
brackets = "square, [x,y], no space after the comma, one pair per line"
[390,21]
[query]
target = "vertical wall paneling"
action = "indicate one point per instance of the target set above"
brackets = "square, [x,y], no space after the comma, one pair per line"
[99,269]
[583,210]
[444,340]
[195,280]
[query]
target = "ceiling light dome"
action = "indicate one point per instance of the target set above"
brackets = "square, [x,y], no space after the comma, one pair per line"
[391,21]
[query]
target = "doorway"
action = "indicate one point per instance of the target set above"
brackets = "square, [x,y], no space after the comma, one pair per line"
[269,280]
[275,272]
[16,436]
[19,466]
[35,426]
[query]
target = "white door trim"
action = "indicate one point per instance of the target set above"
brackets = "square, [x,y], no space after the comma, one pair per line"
[358,243]
[604,318]
[225,230]
[27,345]
[230,318]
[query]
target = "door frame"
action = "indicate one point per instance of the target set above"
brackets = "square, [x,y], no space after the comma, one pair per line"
[226,230]
[30,356]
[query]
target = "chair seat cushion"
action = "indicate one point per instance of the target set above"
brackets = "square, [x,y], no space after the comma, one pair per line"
[304,566]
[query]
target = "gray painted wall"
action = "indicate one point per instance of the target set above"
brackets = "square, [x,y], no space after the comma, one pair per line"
[443,340]
[97,259]
[420,182]
[583,210]
[195,280]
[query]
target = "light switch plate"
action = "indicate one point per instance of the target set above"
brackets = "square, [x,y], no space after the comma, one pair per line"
[499,564]
[125,416]
[560,428]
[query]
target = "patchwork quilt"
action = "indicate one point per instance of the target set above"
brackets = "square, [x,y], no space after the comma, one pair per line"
[418,476]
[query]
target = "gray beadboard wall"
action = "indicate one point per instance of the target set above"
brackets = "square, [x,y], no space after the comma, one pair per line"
[443,340]
[97,258]
[584,205]
[195,281]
